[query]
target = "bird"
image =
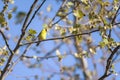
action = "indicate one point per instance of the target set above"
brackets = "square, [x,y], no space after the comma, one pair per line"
[42,35]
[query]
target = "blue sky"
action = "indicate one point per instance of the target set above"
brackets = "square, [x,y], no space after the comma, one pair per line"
[20,70]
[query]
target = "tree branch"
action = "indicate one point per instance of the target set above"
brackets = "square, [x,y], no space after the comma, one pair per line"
[61,18]
[21,37]
[39,58]
[50,52]
[109,62]
[10,58]
[61,37]
[10,69]
[35,13]
[57,13]
[112,22]
[24,25]
[27,48]
[6,42]
[116,23]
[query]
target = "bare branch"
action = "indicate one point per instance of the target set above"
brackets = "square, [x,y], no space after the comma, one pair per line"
[109,62]
[47,57]
[2,77]
[57,12]
[6,42]
[23,55]
[116,23]
[10,58]
[50,52]
[62,18]
[112,22]
[35,13]
[10,69]
[21,36]
[59,38]
[24,25]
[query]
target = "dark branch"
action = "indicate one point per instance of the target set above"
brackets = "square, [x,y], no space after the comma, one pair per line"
[62,18]
[27,48]
[57,13]
[10,58]
[21,37]
[6,42]
[28,15]
[35,13]
[24,25]
[113,20]
[39,58]
[109,63]
[61,37]
[116,23]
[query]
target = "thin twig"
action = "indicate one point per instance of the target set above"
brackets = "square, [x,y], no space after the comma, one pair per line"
[6,42]
[10,69]
[28,15]
[35,13]
[60,37]
[24,25]
[62,18]
[9,59]
[116,23]
[112,22]
[47,57]
[50,52]
[54,16]
[27,48]
[57,12]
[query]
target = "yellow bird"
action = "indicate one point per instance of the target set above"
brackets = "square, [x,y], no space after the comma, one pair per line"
[42,35]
